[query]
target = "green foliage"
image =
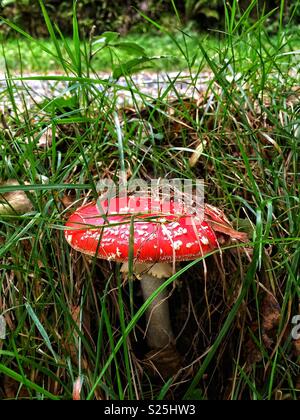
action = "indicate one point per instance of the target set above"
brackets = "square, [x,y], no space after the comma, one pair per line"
[123,15]
[208,8]
[76,56]
[106,15]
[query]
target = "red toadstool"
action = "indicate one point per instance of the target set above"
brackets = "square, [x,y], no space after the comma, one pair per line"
[159,240]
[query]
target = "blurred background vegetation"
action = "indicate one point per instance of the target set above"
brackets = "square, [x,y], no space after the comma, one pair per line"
[125,16]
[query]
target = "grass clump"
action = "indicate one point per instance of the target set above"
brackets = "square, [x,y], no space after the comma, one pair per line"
[71,322]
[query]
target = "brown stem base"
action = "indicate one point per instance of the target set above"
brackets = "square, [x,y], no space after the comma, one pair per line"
[163,363]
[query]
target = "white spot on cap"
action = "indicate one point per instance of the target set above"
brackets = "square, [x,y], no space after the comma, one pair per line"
[87,234]
[176,245]
[174,225]
[112,231]
[189,245]
[179,232]
[204,240]
[96,236]
[69,238]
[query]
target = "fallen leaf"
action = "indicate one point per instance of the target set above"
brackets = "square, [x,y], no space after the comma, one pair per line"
[45,140]
[270,312]
[219,222]
[197,153]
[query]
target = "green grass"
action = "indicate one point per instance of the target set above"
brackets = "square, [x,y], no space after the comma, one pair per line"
[71,318]
[37,60]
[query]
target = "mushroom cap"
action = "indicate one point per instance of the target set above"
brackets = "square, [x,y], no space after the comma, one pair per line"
[125,226]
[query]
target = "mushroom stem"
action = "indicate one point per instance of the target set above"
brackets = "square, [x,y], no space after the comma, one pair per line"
[159,331]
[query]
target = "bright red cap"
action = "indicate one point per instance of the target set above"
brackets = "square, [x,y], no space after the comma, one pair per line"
[103,229]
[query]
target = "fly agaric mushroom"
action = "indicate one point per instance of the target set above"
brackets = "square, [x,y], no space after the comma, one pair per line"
[159,240]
